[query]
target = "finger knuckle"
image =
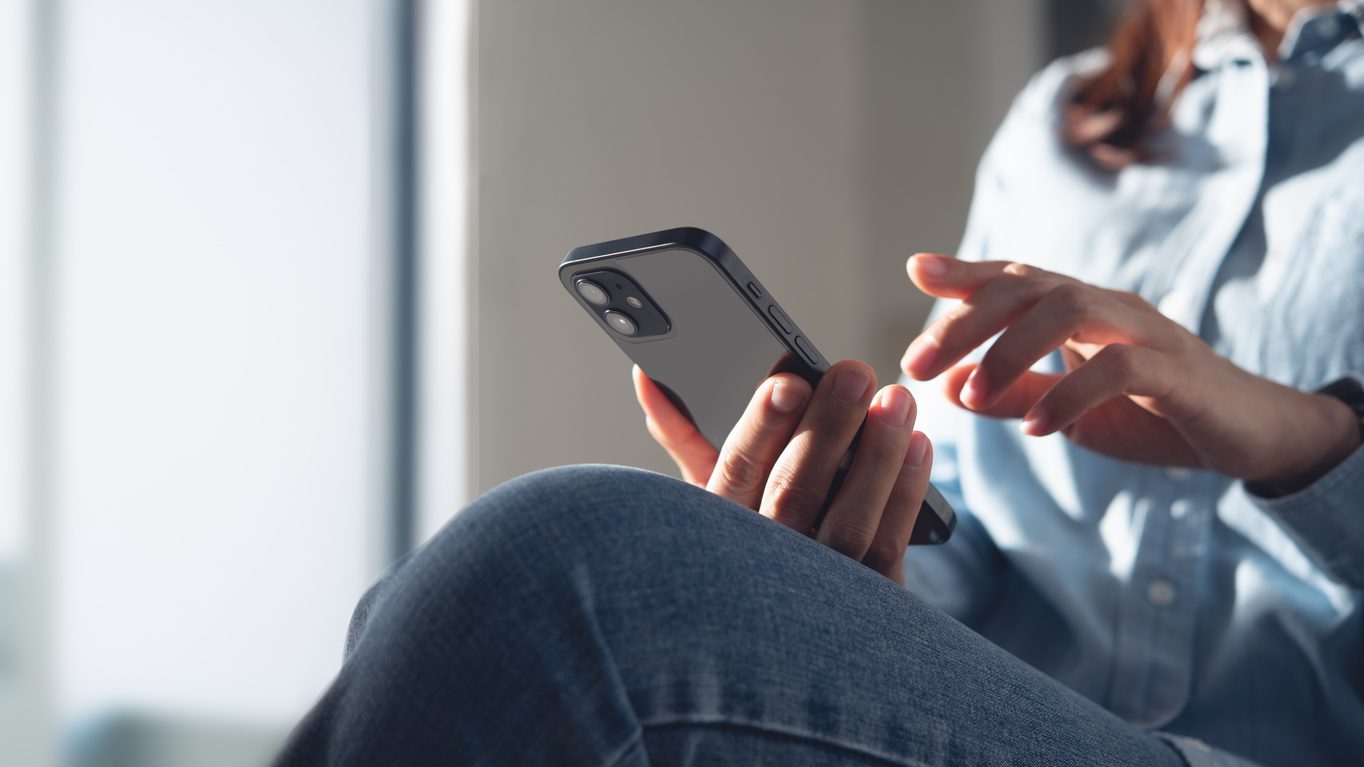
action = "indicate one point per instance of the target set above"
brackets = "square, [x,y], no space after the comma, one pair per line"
[881,452]
[740,471]
[1022,271]
[883,553]
[1132,298]
[849,539]
[791,500]
[1071,303]
[837,421]
[1187,345]
[1120,360]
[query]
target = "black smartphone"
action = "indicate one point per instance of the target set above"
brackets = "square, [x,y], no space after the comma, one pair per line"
[700,325]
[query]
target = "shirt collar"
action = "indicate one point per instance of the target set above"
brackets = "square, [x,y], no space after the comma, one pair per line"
[1224,32]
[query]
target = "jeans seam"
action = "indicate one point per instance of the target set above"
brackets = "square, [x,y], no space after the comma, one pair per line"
[784,732]
[635,742]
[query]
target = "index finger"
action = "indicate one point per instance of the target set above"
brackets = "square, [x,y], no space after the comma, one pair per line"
[688,448]
[947,277]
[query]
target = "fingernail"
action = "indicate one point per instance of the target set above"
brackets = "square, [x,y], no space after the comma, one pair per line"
[931,265]
[976,393]
[850,384]
[1034,424]
[919,358]
[918,449]
[787,398]
[895,406]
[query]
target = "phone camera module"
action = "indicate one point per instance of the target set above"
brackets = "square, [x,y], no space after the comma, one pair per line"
[620,322]
[619,302]
[594,294]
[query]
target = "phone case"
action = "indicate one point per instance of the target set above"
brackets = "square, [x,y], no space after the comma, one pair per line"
[704,329]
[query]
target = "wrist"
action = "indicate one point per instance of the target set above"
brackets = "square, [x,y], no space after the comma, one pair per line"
[1330,432]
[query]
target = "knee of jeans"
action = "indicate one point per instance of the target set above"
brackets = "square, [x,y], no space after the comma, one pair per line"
[573,500]
[566,508]
[365,607]
[533,529]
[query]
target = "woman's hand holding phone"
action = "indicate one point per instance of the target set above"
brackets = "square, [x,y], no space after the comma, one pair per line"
[1137,385]
[782,457]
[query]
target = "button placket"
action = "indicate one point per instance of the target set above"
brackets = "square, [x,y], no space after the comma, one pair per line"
[1153,657]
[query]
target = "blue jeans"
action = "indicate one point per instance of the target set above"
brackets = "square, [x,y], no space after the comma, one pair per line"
[608,616]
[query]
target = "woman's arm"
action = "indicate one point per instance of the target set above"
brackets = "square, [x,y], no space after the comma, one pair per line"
[1141,388]
[1326,517]
[1138,386]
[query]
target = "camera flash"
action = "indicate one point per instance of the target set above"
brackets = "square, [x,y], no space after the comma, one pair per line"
[634,303]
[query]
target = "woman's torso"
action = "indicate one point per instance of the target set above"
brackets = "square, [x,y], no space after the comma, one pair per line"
[1169,596]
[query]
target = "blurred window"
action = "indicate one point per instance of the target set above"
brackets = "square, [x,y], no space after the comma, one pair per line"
[14,280]
[226,216]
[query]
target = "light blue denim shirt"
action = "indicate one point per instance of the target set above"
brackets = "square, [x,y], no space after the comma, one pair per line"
[1178,599]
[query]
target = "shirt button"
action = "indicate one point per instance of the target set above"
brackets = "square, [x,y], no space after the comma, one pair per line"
[1161,592]
[1177,474]
[1178,509]
[1328,27]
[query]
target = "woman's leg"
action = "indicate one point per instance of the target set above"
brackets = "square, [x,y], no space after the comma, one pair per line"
[606,616]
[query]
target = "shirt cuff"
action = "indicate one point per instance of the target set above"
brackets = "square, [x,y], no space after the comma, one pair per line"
[1327,519]
[1196,753]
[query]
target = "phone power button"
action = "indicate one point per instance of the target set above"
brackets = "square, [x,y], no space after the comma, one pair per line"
[779,318]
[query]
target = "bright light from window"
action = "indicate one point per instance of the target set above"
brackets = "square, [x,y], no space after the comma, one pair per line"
[215,463]
[446,272]
[14,278]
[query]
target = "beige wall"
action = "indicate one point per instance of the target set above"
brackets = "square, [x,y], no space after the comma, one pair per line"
[825,141]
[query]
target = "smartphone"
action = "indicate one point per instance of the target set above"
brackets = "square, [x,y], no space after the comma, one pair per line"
[701,326]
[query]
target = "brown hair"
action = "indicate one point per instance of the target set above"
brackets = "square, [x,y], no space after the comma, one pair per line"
[1113,113]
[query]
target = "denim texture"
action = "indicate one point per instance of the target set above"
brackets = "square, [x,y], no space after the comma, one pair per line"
[610,616]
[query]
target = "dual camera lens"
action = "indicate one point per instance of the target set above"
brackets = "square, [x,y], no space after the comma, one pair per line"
[596,294]
[621,322]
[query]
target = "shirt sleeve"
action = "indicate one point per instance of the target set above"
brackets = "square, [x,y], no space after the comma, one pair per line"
[1326,518]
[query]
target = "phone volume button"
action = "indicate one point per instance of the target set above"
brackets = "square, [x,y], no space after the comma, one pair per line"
[753,288]
[780,319]
[807,351]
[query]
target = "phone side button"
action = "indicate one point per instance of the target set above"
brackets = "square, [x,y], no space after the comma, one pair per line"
[807,351]
[779,318]
[753,288]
